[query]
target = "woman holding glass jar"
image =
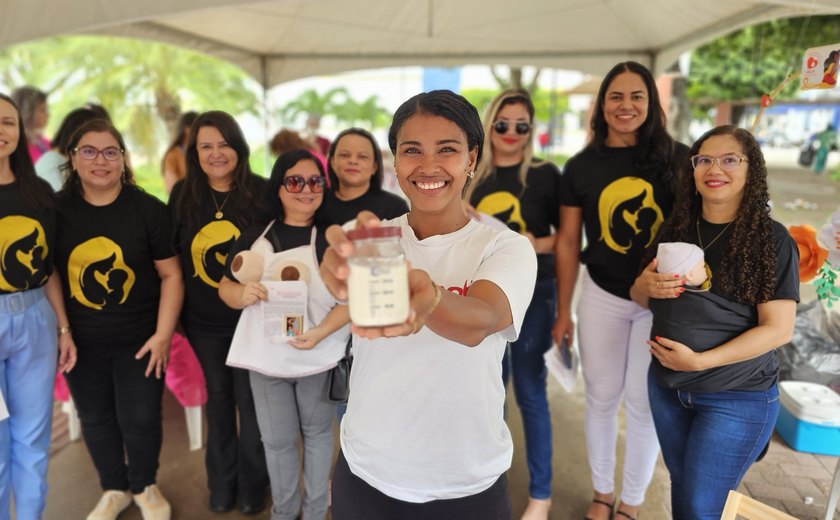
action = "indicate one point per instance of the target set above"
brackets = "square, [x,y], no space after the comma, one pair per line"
[424,436]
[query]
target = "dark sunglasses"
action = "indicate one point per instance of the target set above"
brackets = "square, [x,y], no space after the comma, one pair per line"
[521,127]
[295,183]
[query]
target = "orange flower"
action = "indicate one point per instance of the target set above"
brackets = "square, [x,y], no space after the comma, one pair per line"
[811,255]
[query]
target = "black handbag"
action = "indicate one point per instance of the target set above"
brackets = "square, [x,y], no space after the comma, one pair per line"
[339,384]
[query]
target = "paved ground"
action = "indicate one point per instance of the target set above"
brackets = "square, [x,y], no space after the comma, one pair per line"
[794,482]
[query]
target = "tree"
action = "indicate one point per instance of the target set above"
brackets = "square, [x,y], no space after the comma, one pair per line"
[144,85]
[514,79]
[754,60]
[481,98]
[368,112]
[313,105]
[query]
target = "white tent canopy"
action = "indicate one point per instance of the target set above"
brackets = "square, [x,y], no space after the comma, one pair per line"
[280,40]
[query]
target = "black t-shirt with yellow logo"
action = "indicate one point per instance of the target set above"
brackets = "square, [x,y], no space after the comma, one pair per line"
[623,206]
[106,255]
[27,236]
[535,209]
[204,250]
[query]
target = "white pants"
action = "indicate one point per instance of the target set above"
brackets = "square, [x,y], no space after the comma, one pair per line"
[612,332]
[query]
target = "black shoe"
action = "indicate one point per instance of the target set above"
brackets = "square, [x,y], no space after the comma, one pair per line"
[251,508]
[221,502]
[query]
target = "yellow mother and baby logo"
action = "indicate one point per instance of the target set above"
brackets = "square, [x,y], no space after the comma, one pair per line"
[209,250]
[98,275]
[23,253]
[628,214]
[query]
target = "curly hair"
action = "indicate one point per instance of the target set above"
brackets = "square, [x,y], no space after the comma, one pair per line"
[748,266]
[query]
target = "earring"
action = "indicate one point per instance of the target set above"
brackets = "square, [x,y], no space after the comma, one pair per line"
[470,175]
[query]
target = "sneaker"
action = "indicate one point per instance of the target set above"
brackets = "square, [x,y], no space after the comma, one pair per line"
[110,505]
[152,504]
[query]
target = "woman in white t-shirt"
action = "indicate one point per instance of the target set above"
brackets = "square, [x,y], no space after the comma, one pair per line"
[424,436]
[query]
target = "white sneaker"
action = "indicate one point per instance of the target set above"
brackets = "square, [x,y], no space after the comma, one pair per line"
[152,504]
[110,505]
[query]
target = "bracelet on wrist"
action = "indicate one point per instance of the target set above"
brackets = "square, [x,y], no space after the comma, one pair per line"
[63,330]
[438,295]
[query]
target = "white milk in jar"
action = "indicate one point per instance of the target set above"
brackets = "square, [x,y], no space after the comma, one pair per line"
[378,283]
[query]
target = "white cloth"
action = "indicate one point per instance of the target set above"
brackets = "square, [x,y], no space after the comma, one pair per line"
[48,168]
[677,257]
[252,351]
[424,420]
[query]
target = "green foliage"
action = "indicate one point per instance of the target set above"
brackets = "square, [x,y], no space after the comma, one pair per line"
[754,60]
[481,99]
[825,285]
[368,113]
[312,104]
[144,85]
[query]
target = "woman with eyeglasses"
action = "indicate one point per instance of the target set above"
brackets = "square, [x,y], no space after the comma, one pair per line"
[355,169]
[619,189]
[123,291]
[716,349]
[219,198]
[524,192]
[289,374]
[34,330]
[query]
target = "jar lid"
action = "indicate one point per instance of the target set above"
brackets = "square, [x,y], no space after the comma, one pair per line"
[374,232]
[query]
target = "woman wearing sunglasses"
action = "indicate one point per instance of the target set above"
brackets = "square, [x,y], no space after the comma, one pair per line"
[34,330]
[524,192]
[728,371]
[619,189]
[123,291]
[289,375]
[219,197]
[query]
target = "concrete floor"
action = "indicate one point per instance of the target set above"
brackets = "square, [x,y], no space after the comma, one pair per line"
[789,480]
[74,487]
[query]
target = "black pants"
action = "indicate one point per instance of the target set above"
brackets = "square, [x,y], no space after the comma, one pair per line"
[120,411]
[235,463]
[355,499]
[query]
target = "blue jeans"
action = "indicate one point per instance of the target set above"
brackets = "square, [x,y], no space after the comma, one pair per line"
[708,441]
[525,356]
[28,354]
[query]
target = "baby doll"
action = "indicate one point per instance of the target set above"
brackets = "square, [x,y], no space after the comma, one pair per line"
[684,259]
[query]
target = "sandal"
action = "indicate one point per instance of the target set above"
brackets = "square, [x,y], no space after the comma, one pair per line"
[603,503]
[622,513]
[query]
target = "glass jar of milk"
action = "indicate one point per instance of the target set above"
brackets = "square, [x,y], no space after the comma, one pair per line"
[378,283]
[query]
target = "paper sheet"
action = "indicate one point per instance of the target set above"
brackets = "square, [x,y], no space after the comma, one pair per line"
[564,364]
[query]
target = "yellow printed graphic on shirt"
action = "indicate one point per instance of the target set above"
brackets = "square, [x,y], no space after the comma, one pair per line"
[23,253]
[628,214]
[98,275]
[209,250]
[505,207]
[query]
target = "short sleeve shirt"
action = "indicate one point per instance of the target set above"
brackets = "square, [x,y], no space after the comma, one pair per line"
[27,238]
[106,257]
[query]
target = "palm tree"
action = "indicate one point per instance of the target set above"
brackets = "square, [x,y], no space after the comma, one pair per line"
[143,85]
[369,113]
[313,105]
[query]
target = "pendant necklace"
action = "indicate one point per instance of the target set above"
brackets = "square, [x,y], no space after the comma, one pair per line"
[219,213]
[697,222]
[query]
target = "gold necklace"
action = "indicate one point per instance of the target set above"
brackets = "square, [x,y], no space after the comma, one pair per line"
[697,222]
[219,213]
